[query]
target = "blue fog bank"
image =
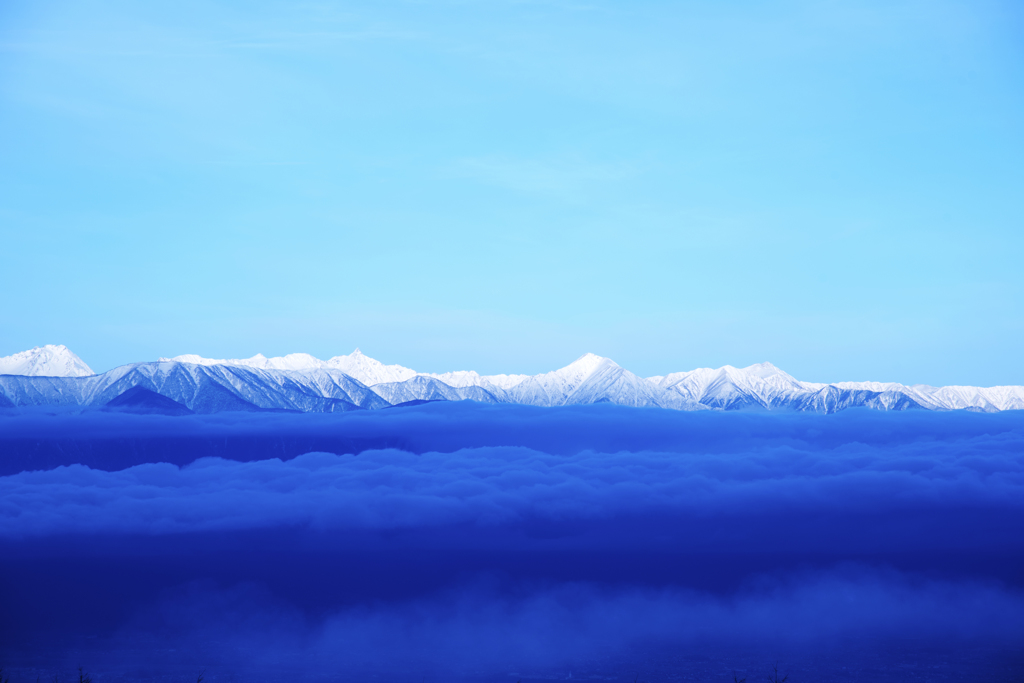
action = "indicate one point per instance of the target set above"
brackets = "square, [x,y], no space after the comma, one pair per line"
[465,542]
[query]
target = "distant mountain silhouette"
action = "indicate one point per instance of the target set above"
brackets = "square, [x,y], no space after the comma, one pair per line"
[416,402]
[141,400]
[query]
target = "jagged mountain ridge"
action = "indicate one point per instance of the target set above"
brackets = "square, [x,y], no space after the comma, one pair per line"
[300,382]
[202,388]
[367,370]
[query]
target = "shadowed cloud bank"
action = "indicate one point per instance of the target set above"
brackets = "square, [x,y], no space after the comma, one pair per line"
[503,485]
[41,438]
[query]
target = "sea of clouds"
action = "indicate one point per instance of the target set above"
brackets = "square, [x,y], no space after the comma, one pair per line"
[460,542]
[502,485]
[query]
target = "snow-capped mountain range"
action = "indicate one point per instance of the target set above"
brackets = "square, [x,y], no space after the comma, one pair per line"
[52,375]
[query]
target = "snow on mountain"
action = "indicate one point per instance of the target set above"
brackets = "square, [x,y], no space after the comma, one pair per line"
[45,361]
[468,378]
[293,361]
[989,399]
[368,370]
[560,387]
[301,382]
[425,388]
[593,379]
[201,388]
[728,388]
[356,365]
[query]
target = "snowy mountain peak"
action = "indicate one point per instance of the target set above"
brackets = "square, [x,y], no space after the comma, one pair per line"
[592,358]
[52,360]
[189,358]
[765,370]
[368,370]
[588,363]
[575,373]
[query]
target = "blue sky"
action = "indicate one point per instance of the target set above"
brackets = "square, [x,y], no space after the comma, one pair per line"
[503,186]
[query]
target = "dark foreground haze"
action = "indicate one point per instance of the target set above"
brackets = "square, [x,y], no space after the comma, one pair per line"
[462,542]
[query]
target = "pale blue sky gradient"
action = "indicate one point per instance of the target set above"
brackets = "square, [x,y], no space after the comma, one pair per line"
[836,187]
